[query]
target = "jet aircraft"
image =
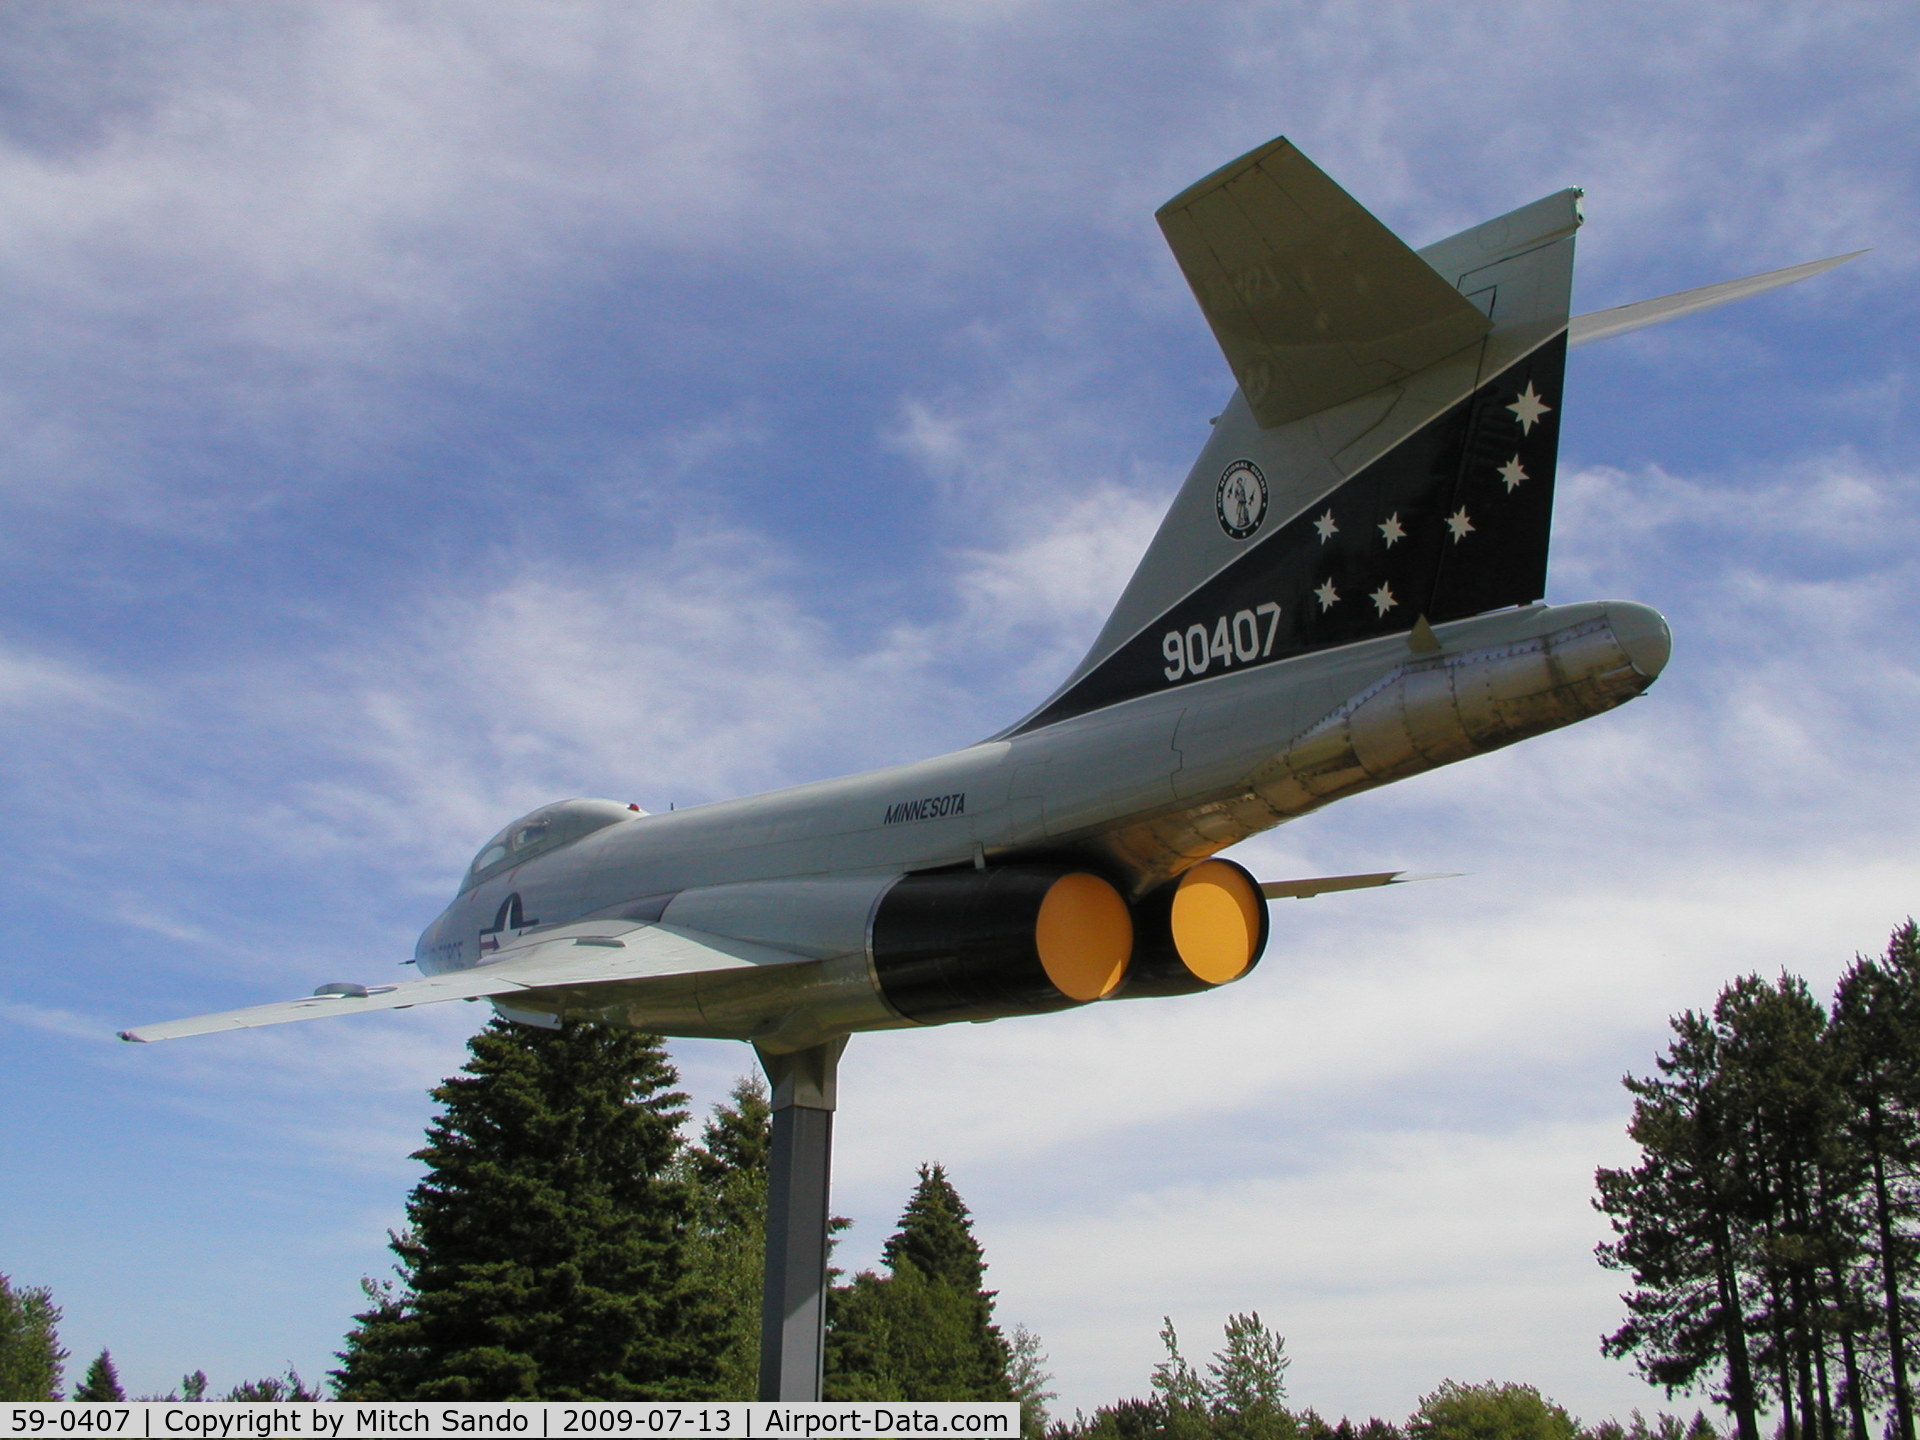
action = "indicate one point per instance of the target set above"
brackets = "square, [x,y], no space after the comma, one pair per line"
[1345,592]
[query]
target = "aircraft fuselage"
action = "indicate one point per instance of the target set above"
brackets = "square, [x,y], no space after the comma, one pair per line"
[1136,793]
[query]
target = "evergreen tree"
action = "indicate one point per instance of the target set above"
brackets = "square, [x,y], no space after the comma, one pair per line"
[545,1255]
[925,1330]
[102,1381]
[1781,1095]
[30,1353]
[1677,1216]
[728,1239]
[1876,1039]
[936,1236]
[1773,1224]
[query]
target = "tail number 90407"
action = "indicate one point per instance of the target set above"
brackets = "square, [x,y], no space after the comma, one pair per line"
[1231,640]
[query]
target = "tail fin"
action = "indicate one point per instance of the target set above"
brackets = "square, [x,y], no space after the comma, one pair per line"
[1389,454]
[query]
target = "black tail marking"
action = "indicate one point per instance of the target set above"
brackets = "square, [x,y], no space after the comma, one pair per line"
[1452,521]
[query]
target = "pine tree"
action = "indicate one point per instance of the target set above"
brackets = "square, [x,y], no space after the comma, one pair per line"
[1677,1217]
[925,1330]
[1876,1038]
[728,1240]
[30,1353]
[936,1235]
[545,1254]
[102,1381]
[1780,1091]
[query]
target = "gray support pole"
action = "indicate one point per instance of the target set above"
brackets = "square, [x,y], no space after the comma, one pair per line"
[793,1311]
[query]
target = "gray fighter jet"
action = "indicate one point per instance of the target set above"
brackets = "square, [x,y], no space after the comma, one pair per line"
[1344,593]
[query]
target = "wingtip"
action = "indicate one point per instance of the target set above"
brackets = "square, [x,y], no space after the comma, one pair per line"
[133,1035]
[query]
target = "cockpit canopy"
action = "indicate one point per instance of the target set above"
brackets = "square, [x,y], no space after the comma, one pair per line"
[545,830]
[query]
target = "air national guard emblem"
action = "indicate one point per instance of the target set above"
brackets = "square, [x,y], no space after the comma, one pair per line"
[1240,500]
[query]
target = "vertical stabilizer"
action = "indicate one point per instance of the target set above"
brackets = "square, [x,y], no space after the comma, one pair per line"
[1429,495]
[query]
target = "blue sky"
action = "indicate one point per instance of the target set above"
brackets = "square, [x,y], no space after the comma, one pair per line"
[415,413]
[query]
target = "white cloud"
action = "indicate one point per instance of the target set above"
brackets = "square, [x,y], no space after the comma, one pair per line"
[55,1022]
[33,683]
[1402,1256]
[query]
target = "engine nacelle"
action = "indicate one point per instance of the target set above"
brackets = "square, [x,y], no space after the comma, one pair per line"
[886,951]
[1009,940]
[1202,930]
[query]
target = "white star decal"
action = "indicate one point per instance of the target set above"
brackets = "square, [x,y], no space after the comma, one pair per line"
[1326,527]
[1327,595]
[1512,473]
[1390,530]
[1528,408]
[1382,598]
[1459,524]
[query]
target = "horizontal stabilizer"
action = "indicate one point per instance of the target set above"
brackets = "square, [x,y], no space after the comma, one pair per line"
[1326,884]
[591,953]
[1603,324]
[1313,300]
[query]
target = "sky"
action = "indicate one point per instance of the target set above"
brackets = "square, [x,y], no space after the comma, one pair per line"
[411,414]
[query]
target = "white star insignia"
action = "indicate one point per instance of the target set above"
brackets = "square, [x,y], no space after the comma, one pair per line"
[1459,524]
[1382,598]
[1390,530]
[1528,408]
[1327,595]
[1326,527]
[1512,473]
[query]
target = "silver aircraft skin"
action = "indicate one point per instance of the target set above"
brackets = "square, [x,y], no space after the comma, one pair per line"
[1344,593]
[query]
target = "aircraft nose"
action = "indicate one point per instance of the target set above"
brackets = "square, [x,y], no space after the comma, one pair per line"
[1642,632]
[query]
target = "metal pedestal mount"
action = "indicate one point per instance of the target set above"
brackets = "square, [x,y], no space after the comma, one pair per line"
[793,1313]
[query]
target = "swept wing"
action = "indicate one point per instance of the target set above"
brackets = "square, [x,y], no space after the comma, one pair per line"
[586,954]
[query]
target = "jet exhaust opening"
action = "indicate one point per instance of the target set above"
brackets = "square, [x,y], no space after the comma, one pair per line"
[1206,929]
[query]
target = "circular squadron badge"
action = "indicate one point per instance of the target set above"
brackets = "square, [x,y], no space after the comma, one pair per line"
[1240,500]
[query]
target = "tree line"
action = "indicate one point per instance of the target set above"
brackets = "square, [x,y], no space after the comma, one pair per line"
[1772,1226]
[569,1241]
[1241,1394]
[32,1360]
